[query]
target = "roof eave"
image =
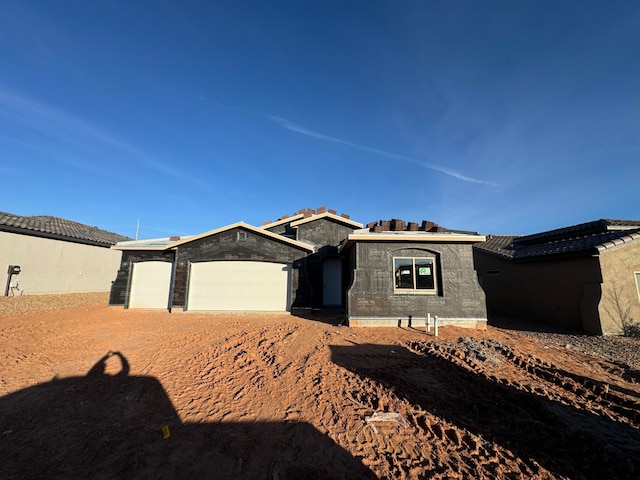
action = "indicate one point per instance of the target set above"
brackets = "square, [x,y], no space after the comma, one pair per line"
[621,242]
[282,221]
[412,237]
[53,236]
[246,226]
[138,248]
[330,216]
[416,237]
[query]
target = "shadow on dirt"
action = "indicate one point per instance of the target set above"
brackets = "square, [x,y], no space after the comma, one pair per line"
[522,325]
[121,426]
[329,317]
[564,440]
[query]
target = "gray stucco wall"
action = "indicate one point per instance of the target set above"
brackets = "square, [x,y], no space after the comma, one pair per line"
[119,287]
[322,232]
[283,229]
[325,234]
[371,297]
[239,244]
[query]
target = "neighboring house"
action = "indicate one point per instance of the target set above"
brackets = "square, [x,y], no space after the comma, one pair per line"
[56,255]
[301,262]
[583,277]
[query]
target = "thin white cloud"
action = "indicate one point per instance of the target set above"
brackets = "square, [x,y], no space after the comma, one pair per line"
[286,124]
[94,142]
[12,171]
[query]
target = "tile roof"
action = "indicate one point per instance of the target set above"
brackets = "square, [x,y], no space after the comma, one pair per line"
[581,240]
[58,228]
[582,229]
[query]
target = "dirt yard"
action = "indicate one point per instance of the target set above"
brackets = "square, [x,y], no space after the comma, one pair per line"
[89,391]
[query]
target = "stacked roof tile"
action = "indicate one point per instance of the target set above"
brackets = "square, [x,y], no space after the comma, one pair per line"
[396,225]
[58,228]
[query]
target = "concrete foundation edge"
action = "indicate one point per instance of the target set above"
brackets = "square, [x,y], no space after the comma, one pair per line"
[475,323]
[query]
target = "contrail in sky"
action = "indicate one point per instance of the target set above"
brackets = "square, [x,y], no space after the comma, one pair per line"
[73,134]
[286,124]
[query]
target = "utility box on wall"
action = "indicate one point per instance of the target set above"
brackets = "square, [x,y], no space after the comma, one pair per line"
[11,271]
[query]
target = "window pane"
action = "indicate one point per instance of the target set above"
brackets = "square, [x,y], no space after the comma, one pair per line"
[638,282]
[424,274]
[404,272]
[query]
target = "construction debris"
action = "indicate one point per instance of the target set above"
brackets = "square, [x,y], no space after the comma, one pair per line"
[385,417]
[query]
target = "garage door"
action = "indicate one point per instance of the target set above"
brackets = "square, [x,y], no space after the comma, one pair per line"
[239,286]
[150,283]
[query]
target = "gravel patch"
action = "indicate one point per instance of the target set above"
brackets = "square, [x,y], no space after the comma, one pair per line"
[617,349]
[612,348]
[36,303]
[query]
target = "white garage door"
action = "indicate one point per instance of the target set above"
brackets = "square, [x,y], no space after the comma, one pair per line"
[150,283]
[239,286]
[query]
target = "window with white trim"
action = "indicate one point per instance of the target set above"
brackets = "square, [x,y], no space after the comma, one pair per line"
[638,283]
[414,274]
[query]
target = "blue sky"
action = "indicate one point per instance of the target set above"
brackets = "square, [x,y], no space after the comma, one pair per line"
[498,117]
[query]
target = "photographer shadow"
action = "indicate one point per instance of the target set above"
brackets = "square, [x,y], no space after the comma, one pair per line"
[105,426]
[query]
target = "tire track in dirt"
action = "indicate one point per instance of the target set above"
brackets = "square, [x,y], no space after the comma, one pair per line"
[430,446]
[250,391]
[607,398]
[593,414]
[490,406]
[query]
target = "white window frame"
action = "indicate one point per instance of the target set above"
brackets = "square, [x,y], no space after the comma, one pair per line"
[415,291]
[636,276]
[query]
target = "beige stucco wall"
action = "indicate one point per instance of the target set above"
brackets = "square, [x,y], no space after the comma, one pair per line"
[54,266]
[619,291]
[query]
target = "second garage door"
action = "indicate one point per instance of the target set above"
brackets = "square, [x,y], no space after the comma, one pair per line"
[239,286]
[150,283]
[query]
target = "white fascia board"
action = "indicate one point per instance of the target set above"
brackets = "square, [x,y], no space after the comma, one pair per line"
[139,247]
[415,237]
[282,221]
[248,227]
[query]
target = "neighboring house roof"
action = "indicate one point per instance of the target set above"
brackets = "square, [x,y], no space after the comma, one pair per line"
[585,239]
[58,229]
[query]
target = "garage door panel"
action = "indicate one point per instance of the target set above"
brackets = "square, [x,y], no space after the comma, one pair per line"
[239,286]
[150,285]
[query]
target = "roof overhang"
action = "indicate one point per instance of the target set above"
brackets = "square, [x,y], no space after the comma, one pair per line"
[53,236]
[157,244]
[282,221]
[329,216]
[413,237]
[138,247]
[632,237]
[250,228]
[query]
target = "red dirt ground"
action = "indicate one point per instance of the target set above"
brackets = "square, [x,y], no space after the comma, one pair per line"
[281,397]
